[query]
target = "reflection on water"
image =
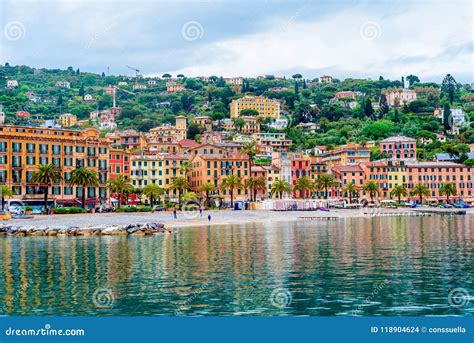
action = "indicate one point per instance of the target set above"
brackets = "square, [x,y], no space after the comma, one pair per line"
[364,266]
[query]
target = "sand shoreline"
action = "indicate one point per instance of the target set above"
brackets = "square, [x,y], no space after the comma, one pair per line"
[222,217]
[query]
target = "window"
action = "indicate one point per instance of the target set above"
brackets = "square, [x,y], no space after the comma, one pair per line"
[56,149]
[43,148]
[30,147]
[16,147]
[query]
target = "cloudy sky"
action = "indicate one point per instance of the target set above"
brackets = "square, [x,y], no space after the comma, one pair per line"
[343,38]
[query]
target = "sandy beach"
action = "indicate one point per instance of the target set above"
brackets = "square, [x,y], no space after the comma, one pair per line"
[222,217]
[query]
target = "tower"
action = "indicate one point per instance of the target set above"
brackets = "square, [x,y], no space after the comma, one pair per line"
[181,127]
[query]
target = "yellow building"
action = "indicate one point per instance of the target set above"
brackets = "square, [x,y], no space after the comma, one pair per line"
[168,134]
[160,169]
[67,120]
[349,154]
[268,108]
[22,149]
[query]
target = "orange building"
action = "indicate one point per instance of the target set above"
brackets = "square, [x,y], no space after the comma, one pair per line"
[215,168]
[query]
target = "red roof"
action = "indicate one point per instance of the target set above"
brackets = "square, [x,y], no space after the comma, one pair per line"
[188,143]
[340,169]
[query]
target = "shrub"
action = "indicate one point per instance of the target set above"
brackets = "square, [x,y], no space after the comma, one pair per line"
[68,210]
[127,209]
[144,208]
[28,208]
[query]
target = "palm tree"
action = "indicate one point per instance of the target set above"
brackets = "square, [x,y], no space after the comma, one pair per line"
[231,182]
[281,186]
[119,186]
[399,191]
[45,176]
[207,188]
[186,168]
[324,182]
[5,191]
[249,184]
[84,177]
[302,185]
[152,191]
[420,190]
[259,183]
[249,149]
[181,184]
[448,189]
[372,188]
[350,189]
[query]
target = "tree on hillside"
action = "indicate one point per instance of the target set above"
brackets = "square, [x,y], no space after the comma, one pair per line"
[368,109]
[249,112]
[447,119]
[449,86]
[383,106]
[412,79]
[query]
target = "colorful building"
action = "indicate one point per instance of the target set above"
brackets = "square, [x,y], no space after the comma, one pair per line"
[399,148]
[22,149]
[67,120]
[267,108]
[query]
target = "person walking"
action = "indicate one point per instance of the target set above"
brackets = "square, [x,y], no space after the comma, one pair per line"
[209,218]
[175,215]
[200,211]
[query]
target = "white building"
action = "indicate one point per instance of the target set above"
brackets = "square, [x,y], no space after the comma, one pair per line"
[279,124]
[88,97]
[12,84]
[2,116]
[63,84]
[459,117]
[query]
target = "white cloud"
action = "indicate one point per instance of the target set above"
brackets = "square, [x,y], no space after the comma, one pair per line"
[409,41]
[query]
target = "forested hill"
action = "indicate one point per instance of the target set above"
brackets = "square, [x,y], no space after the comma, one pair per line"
[367,117]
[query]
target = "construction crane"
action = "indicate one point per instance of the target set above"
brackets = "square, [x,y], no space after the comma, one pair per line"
[115,88]
[137,72]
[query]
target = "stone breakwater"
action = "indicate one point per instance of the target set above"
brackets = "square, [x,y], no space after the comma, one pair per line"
[147,229]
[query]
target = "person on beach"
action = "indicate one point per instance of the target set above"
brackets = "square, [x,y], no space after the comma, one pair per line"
[209,218]
[175,214]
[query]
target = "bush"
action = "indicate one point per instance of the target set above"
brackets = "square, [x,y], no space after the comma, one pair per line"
[68,210]
[144,208]
[28,208]
[127,209]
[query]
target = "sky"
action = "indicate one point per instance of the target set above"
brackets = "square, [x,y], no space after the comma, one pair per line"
[341,38]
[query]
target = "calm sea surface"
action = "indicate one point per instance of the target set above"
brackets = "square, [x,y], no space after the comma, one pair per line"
[364,266]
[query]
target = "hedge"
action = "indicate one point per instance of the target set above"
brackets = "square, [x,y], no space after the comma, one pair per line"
[134,209]
[68,210]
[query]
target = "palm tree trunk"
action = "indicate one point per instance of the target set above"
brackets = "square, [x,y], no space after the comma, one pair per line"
[151,200]
[325,192]
[350,197]
[3,203]
[45,199]
[281,195]
[207,199]
[84,198]
[421,199]
[232,199]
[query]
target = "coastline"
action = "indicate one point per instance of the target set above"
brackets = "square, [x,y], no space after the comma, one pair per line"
[218,217]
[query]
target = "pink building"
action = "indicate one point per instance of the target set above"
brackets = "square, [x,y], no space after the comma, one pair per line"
[345,94]
[399,96]
[399,148]
[434,174]
[345,175]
